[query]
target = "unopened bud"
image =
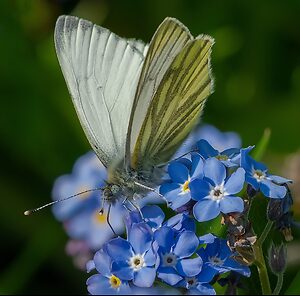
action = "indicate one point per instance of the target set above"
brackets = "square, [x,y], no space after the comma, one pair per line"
[277,258]
[251,192]
[279,207]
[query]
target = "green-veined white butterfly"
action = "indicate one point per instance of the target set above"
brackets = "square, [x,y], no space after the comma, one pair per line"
[136,102]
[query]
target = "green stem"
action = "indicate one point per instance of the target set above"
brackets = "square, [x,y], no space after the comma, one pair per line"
[265,232]
[279,284]
[260,260]
[262,269]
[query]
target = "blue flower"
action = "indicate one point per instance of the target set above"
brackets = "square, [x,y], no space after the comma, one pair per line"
[175,250]
[181,222]
[80,215]
[134,259]
[229,157]
[105,282]
[153,215]
[219,140]
[196,286]
[181,172]
[88,173]
[257,176]
[216,193]
[217,258]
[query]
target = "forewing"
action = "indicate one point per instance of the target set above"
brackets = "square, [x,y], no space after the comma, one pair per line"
[176,106]
[168,40]
[102,72]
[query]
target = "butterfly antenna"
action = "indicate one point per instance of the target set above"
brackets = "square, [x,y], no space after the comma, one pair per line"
[29,212]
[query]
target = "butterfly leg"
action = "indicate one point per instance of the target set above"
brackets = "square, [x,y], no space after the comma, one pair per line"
[108,222]
[124,203]
[134,205]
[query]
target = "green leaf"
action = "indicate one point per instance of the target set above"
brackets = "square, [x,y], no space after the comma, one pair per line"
[262,145]
[294,288]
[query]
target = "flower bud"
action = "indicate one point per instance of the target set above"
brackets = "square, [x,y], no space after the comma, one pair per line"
[251,192]
[277,208]
[279,211]
[277,258]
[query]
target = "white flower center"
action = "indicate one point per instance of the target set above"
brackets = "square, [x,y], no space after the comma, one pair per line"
[214,260]
[169,259]
[192,282]
[259,175]
[137,262]
[217,193]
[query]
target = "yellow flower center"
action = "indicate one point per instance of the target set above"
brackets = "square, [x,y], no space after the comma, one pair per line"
[222,157]
[100,217]
[185,186]
[115,282]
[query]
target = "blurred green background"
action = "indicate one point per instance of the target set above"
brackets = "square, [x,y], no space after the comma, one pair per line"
[256,64]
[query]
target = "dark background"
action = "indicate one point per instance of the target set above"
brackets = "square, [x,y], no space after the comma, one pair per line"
[256,64]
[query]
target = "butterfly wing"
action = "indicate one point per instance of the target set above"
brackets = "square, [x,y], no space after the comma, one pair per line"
[168,40]
[176,105]
[102,72]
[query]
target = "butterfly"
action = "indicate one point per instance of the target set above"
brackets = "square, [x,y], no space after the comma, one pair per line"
[136,102]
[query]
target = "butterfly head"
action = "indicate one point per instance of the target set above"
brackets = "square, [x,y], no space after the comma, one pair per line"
[111,192]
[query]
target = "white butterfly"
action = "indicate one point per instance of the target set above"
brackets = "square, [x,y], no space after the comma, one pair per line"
[136,102]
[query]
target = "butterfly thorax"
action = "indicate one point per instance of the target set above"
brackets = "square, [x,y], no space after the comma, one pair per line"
[132,183]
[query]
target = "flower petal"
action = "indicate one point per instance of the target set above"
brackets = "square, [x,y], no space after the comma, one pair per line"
[173,195]
[215,171]
[181,222]
[279,180]
[207,274]
[199,189]
[208,238]
[180,201]
[103,262]
[272,190]
[189,267]
[140,237]
[231,204]
[235,182]
[178,172]
[153,215]
[183,249]
[167,187]
[98,284]
[205,210]
[90,265]
[150,257]
[122,270]
[205,289]
[164,236]
[169,275]
[144,277]
[197,166]
[235,266]
[252,181]
[206,150]
[119,249]
[131,218]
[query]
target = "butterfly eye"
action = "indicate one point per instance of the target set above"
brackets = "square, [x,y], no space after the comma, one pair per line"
[115,189]
[107,193]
